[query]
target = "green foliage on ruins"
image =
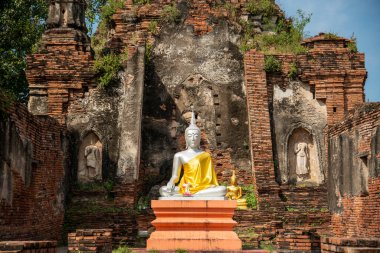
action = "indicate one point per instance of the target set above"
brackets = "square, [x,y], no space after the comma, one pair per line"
[293,71]
[260,7]
[331,35]
[141,2]
[180,251]
[250,195]
[21,27]
[352,45]
[267,245]
[107,66]
[170,13]
[272,64]
[285,36]
[108,9]
[153,27]
[122,249]
[142,204]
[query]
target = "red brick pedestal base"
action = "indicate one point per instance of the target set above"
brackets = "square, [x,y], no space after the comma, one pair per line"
[194,225]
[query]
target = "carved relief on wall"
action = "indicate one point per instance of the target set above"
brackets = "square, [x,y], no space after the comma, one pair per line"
[302,156]
[90,159]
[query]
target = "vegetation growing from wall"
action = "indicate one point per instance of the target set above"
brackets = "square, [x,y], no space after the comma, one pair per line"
[141,2]
[352,45]
[261,7]
[170,13]
[122,249]
[153,27]
[250,195]
[272,65]
[107,64]
[285,36]
[293,70]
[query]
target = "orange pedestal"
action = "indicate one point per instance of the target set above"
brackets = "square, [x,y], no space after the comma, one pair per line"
[194,225]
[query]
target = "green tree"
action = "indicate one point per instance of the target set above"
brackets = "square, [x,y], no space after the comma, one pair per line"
[92,14]
[21,25]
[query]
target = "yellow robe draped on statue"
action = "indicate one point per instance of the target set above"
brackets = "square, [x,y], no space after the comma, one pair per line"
[199,172]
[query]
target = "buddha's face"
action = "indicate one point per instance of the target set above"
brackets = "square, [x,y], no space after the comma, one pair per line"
[193,138]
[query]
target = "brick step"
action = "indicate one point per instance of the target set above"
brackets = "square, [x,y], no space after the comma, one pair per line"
[11,247]
[142,250]
[361,250]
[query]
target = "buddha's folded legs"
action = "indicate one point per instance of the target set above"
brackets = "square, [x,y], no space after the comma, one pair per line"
[214,191]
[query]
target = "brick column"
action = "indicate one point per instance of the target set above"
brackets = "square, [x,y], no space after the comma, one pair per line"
[60,71]
[259,124]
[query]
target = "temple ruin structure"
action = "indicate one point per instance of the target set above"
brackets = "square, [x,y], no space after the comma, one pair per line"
[82,156]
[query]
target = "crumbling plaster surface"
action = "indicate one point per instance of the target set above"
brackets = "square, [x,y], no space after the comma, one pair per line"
[349,167]
[16,156]
[113,114]
[294,107]
[203,71]
[98,114]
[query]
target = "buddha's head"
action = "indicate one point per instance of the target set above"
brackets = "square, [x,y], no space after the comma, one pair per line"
[193,134]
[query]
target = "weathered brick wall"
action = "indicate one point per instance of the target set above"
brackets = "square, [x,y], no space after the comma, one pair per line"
[349,245]
[259,125]
[201,15]
[90,240]
[60,72]
[356,191]
[34,207]
[302,208]
[163,123]
[335,75]
[28,246]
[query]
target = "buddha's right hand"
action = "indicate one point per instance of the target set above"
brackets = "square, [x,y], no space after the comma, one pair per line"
[170,186]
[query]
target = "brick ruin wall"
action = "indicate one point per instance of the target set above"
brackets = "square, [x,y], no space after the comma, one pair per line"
[354,152]
[33,161]
[330,71]
[163,107]
[287,216]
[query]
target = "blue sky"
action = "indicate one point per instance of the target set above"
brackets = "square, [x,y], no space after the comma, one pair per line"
[345,17]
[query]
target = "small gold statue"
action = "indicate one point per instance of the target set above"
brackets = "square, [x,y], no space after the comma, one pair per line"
[234,192]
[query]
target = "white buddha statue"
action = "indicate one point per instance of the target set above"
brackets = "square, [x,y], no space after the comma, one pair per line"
[199,177]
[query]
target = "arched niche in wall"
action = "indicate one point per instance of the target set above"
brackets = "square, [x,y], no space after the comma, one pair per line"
[302,158]
[90,158]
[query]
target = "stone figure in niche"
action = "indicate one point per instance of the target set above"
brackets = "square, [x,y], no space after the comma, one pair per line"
[93,161]
[66,13]
[301,152]
[199,177]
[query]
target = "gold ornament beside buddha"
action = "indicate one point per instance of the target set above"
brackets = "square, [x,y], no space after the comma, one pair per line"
[235,192]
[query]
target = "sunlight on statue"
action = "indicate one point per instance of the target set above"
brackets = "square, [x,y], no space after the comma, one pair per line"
[199,177]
